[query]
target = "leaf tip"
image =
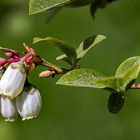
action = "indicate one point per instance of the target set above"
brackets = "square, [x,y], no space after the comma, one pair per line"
[36,40]
[101,37]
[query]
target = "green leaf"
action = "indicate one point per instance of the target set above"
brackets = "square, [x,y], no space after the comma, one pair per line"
[108,83]
[80,78]
[66,48]
[84,47]
[116,102]
[87,44]
[37,6]
[128,71]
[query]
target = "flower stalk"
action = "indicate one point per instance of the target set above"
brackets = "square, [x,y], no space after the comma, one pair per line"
[57,69]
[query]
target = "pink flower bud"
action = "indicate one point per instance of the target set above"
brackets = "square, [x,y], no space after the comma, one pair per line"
[2,61]
[10,54]
[13,52]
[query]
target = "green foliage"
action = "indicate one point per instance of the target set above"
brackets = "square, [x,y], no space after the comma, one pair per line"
[87,44]
[37,6]
[71,55]
[124,78]
[80,78]
[84,47]
[128,71]
[125,75]
[67,49]
[109,83]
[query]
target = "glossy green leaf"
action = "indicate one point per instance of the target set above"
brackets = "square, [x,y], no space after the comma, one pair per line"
[37,6]
[84,47]
[116,102]
[108,83]
[66,48]
[87,44]
[80,78]
[128,71]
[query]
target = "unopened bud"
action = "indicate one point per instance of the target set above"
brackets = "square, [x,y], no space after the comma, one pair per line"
[10,54]
[47,73]
[2,61]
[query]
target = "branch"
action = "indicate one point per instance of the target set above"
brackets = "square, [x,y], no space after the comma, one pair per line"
[57,69]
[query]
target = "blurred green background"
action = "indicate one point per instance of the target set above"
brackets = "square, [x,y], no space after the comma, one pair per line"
[70,113]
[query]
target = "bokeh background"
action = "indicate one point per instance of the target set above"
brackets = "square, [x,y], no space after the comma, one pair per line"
[70,113]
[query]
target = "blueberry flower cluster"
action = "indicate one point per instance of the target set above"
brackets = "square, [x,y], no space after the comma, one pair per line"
[18,98]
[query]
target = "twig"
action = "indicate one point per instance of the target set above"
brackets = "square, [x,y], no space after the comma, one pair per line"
[53,67]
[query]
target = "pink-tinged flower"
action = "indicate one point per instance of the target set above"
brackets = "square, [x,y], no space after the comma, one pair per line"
[10,54]
[13,80]
[8,109]
[2,61]
[29,103]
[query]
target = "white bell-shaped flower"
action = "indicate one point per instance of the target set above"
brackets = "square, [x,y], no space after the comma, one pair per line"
[29,103]
[8,108]
[13,79]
